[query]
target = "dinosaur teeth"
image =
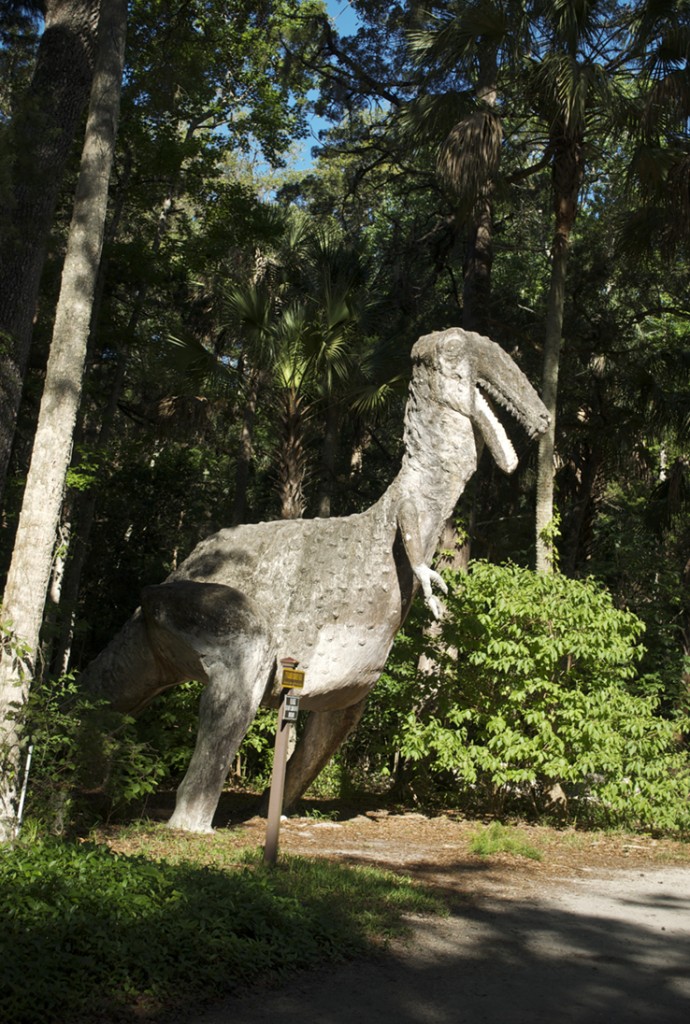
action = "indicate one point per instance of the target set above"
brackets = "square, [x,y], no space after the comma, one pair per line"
[494,434]
[502,399]
[534,428]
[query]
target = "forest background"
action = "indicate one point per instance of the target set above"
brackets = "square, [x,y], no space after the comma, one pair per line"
[520,169]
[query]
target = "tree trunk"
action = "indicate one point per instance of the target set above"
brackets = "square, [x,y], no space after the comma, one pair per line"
[577,531]
[292,456]
[549,395]
[83,516]
[245,453]
[41,138]
[567,178]
[85,503]
[476,291]
[27,581]
[329,450]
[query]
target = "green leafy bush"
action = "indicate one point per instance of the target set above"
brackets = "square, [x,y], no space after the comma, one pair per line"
[169,725]
[78,745]
[535,681]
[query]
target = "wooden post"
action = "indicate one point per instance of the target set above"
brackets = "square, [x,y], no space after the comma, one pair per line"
[275,800]
[291,679]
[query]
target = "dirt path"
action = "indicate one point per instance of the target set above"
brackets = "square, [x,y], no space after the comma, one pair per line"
[597,932]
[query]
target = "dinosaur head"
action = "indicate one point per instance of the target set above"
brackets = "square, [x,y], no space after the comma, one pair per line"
[470,375]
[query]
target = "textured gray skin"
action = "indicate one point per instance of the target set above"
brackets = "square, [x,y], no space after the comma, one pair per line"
[330,592]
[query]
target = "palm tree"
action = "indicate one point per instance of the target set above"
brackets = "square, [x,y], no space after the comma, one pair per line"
[466,53]
[660,170]
[292,380]
[569,80]
[559,60]
[298,336]
[251,311]
[334,278]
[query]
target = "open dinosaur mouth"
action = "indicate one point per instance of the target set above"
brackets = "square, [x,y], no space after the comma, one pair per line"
[501,384]
[493,394]
[492,430]
[487,396]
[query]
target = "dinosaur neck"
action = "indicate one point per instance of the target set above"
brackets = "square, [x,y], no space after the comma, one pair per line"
[440,457]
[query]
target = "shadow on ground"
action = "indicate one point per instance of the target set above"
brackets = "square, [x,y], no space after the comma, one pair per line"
[235,807]
[596,946]
[609,951]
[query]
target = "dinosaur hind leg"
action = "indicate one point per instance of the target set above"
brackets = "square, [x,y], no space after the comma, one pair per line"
[228,704]
[323,734]
[216,634]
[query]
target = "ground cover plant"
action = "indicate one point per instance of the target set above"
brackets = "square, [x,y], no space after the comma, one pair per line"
[99,933]
[498,838]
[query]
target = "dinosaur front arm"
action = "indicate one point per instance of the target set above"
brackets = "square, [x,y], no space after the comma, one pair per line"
[408,524]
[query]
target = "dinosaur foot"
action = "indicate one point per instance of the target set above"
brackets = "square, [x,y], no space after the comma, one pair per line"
[189,823]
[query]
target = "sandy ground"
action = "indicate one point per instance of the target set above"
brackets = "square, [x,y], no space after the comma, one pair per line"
[597,931]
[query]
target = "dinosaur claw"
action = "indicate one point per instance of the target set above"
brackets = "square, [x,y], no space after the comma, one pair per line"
[439,581]
[426,576]
[435,607]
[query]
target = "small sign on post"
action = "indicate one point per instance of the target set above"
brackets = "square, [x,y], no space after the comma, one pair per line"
[290,708]
[292,678]
[287,712]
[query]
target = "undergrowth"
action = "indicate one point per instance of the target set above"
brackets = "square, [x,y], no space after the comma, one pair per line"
[88,933]
[498,838]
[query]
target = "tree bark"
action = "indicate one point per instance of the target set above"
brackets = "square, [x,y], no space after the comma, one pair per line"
[476,291]
[245,452]
[568,167]
[41,138]
[549,395]
[27,581]
[85,503]
[292,457]
[329,451]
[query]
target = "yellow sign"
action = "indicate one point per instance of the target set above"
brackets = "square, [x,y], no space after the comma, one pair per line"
[293,679]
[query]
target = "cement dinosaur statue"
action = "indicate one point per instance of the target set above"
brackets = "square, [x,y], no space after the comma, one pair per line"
[332,593]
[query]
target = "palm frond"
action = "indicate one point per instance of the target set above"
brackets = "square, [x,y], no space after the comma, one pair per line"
[371,400]
[251,311]
[290,363]
[661,34]
[667,102]
[470,155]
[250,307]
[429,118]
[660,175]
[569,22]
[197,364]
[298,235]
[568,92]
[453,36]
[651,165]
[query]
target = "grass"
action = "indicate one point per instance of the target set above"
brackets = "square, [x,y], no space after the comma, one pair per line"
[315,814]
[89,933]
[497,838]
